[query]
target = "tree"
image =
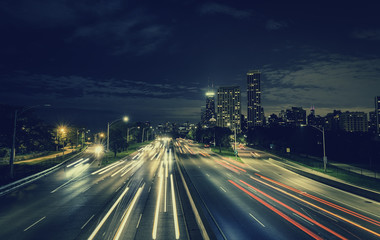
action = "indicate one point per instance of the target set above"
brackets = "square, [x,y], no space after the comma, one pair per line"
[222,137]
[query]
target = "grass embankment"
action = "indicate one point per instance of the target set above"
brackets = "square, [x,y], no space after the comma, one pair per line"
[22,170]
[226,152]
[109,157]
[331,170]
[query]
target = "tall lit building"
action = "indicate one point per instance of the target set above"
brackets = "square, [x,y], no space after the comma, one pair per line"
[229,108]
[254,111]
[377,112]
[209,113]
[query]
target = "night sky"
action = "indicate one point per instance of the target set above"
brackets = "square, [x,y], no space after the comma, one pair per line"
[153,60]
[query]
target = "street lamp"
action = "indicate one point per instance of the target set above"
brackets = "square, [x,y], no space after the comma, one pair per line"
[13,151]
[61,129]
[324,146]
[125,119]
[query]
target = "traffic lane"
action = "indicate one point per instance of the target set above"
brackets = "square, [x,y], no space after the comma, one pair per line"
[334,195]
[135,215]
[23,206]
[162,217]
[352,216]
[36,203]
[66,210]
[234,212]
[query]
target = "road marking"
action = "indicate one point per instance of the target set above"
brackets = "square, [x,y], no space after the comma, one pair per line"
[26,229]
[175,216]
[257,220]
[138,222]
[223,189]
[303,219]
[87,222]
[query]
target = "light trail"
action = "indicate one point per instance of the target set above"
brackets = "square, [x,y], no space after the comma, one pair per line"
[166,180]
[128,212]
[155,223]
[228,167]
[304,229]
[295,211]
[232,165]
[105,168]
[72,164]
[358,215]
[135,165]
[107,215]
[175,216]
[122,169]
[319,208]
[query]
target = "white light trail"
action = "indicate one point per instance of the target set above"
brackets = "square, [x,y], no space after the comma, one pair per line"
[105,168]
[175,216]
[107,215]
[128,212]
[71,164]
[155,223]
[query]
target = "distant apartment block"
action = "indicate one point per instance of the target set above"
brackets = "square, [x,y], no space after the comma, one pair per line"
[353,122]
[296,116]
[229,107]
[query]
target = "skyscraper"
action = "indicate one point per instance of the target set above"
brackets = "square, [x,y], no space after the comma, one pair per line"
[209,113]
[254,113]
[377,112]
[229,108]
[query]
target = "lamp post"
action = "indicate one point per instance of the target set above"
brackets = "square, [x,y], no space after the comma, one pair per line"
[125,119]
[142,137]
[324,146]
[13,151]
[235,151]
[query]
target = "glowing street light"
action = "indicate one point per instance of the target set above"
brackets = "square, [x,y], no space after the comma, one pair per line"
[125,119]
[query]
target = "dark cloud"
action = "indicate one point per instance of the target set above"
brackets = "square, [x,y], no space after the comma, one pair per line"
[369,34]
[217,8]
[25,85]
[275,25]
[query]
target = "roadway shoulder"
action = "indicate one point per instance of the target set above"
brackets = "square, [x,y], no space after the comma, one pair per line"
[328,180]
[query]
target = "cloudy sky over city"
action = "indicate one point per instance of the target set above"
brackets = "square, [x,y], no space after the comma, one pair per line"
[154,60]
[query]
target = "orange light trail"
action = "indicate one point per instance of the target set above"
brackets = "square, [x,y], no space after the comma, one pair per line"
[295,211]
[226,166]
[235,162]
[232,165]
[319,208]
[358,215]
[307,231]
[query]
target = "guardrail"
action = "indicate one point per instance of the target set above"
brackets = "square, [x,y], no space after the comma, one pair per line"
[19,183]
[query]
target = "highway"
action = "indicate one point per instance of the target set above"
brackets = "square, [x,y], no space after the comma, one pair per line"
[134,198]
[259,200]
